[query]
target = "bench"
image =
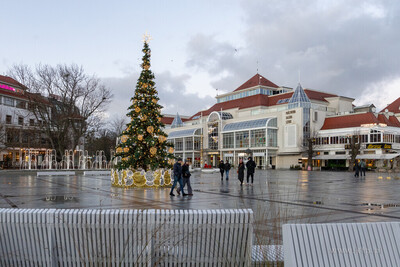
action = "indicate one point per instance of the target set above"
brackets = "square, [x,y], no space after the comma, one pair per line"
[72,237]
[342,244]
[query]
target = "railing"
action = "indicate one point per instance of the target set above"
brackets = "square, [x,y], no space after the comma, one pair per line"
[342,244]
[50,237]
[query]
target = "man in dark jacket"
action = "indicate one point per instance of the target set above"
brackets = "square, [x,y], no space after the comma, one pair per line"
[221,167]
[251,166]
[177,177]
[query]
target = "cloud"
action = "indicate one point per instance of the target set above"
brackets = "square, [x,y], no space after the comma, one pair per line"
[172,91]
[381,93]
[342,47]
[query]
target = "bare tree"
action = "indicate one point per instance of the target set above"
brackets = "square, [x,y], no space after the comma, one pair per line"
[309,148]
[117,124]
[354,147]
[2,138]
[65,101]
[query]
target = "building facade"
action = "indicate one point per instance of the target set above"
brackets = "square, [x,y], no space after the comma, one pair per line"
[20,133]
[274,124]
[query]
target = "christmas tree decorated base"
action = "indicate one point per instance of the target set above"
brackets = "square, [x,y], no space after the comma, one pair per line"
[128,178]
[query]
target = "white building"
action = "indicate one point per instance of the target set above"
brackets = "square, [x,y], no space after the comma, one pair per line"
[259,118]
[20,133]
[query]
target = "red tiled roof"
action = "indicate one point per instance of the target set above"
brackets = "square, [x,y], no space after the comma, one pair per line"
[246,102]
[394,121]
[356,120]
[256,80]
[316,95]
[393,107]
[260,100]
[11,93]
[168,120]
[10,80]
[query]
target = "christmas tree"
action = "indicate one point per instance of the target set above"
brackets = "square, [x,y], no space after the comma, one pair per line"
[144,143]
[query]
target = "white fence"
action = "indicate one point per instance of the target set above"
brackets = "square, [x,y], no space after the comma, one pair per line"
[50,237]
[342,244]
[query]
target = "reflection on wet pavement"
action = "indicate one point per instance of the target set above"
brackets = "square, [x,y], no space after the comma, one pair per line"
[287,196]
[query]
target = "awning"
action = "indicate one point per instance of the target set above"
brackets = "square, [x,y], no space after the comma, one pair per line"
[243,125]
[332,157]
[363,156]
[184,133]
[378,156]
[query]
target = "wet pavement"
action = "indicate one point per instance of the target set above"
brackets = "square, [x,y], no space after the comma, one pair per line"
[277,196]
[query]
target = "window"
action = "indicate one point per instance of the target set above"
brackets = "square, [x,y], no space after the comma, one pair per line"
[31,122]
[179,144]
[258,138]
[21,104]
[20,121]
[197,143]
[8,101]
[315,118]
[228,141]
[8,119]
[273,137]
[375,136]
[213,136]
[242,139]
[188,143]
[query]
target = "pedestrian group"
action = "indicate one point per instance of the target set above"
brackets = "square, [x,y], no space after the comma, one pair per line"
[359,168]
[182,174]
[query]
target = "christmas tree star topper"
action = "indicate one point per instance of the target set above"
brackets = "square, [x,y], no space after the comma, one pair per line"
[147,38]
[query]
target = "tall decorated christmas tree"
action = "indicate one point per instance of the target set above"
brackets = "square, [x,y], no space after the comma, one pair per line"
[144,145]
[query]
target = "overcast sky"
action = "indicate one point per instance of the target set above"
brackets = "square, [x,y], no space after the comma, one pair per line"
[344,47]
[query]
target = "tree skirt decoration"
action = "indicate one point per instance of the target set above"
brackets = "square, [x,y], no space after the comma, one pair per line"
[133,178]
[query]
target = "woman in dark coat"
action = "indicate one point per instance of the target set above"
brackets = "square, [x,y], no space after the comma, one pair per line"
[221,167]
[240,171]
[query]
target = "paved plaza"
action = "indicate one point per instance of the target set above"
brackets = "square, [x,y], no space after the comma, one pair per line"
[277,196]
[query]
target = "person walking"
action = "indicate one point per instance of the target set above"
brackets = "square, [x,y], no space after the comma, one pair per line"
[363,167]
[186,178]
[240,171]
[221,167]
[251,167]
[227,168]
[356,169]
[177,177]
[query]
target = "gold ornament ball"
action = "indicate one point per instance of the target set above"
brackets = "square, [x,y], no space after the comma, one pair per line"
[146,67]
[124,138]
[119,150]
[140,137]
[171,150]
[153,151]
[150,129]
[154,101]
[159,119]
[161,138]
[145,85]
[126,149]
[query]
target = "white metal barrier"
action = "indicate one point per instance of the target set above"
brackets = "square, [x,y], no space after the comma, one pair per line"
[342,244]
[50,237]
